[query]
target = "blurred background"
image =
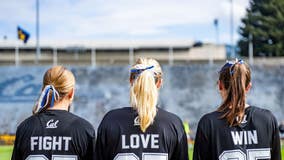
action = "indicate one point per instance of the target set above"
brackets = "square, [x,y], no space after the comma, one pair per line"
[99,40]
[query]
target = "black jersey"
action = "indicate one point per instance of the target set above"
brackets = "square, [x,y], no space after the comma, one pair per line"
[257,137]
[120,137]
[54,135]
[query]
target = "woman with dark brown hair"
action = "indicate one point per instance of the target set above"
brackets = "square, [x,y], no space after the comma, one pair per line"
[237,130]
[53,133]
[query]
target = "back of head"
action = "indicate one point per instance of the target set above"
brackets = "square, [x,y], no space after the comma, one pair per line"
[57,83]
[144,76]
[235,77]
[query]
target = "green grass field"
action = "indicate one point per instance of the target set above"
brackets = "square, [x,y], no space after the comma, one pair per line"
[6,151]
[282,152]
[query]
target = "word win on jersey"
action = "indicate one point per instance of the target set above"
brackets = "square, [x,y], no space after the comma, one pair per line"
[135,140]
[50,143]
[244,137]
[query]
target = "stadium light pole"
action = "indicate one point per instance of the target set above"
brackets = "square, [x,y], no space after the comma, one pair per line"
[54,56]
[93,57]
[216,25]
[171,56]
[250,49]
[131,56]
[232,30]
[37,33]
[17,55]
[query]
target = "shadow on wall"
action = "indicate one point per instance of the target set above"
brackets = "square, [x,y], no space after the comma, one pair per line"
[188,91]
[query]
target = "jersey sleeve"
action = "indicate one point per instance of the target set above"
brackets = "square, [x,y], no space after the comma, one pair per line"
[83,139]
[181,149]
[276,149]
[201,144]
[100,144]
[90,154]
[16,150]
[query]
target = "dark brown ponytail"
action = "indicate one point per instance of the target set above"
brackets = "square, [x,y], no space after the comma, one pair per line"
[235,79]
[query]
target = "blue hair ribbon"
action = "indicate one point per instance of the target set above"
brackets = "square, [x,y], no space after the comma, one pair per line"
[140,70]
[52,99]
[46,93]
[229,64]
[44,97]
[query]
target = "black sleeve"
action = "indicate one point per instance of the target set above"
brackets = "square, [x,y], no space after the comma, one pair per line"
[16,150]
[83,137]
[201,144]
[90,154]
[276,149]
[99,154]
[181,149]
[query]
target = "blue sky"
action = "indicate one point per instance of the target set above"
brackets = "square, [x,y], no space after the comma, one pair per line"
[75,20]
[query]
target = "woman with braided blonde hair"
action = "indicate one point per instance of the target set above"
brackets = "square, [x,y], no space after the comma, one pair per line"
[53,132]
[142,131]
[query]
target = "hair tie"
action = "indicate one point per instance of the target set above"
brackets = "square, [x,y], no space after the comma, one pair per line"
[138,70]
[237,62]
[230,64]
[44,97]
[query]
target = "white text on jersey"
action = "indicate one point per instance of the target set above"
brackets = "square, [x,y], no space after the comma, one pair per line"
[244,137]
[50,143]
[52,124]
[135,140]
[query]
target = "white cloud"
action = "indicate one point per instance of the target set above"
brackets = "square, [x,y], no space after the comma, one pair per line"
[17,11]
[98,18]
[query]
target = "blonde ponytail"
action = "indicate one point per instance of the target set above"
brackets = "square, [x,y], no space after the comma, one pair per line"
[57,83]
[144,92]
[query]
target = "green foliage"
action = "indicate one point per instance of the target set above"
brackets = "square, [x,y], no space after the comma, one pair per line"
[264,20]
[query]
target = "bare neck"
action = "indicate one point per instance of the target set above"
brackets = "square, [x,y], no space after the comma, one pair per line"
[61,105]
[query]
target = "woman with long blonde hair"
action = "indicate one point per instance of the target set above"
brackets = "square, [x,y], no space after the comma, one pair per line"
[142,131]
[52,132]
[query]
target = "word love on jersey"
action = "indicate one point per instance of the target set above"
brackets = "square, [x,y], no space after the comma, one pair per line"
[134,141]
[50,143]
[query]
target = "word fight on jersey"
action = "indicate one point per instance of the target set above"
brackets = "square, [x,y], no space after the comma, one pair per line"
[50,143]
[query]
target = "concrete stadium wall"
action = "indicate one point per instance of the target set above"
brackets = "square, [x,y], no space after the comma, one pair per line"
[189,91]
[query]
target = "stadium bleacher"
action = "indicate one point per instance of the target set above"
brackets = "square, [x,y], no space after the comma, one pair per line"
[190,91]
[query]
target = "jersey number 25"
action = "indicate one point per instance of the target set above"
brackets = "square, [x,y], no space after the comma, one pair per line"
[252,154]
[54,157]
[145,156]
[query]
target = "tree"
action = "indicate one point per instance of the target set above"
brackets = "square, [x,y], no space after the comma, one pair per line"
[264,20]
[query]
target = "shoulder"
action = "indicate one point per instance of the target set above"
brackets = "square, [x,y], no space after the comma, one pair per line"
[166,116]
[115,114]
[258,110]
[80,122]
[168,120]
[78,127]
[262,114]
[208,121]
[210,117]
[165,120]
[28,122]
